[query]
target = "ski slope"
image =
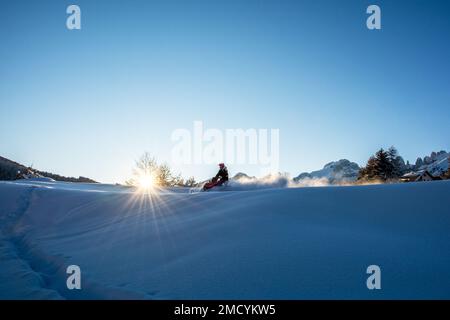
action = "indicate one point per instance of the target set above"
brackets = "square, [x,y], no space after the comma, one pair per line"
[281,243]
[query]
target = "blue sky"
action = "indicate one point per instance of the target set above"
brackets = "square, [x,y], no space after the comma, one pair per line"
[88,102]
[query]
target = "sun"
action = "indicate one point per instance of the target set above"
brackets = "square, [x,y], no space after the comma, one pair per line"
[146,182]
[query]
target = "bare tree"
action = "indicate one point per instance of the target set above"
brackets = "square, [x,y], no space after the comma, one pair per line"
[162,174]
[190,182]
[146,165]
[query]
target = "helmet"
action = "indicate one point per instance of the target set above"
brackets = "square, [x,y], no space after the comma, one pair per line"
[221,165]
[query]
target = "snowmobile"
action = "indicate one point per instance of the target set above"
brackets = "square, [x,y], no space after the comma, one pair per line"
[220,179]
[214,182]
[208,186]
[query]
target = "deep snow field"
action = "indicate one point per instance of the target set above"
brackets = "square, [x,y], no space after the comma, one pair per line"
[267,243]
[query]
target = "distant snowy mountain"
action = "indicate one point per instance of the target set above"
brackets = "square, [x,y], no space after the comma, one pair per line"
[436,163]
[344,171]
[241,175]
[335,172]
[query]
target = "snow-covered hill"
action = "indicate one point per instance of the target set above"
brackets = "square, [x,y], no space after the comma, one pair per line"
[11,170]
[286,243]
[436,163]
[342,171]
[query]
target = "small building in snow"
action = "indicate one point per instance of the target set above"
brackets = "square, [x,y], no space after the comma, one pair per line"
[422,175]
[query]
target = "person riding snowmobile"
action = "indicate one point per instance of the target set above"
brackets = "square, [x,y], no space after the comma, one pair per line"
[220,178]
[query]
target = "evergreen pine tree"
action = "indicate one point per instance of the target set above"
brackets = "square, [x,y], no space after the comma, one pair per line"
[367,173]
[384,170]
[384,166]
[397,163]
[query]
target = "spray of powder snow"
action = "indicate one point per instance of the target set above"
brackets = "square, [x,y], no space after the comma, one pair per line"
[274,181]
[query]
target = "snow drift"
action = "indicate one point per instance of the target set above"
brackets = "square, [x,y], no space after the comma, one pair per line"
[287,243]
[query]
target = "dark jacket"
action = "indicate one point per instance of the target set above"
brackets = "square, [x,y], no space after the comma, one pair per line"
[222,174]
